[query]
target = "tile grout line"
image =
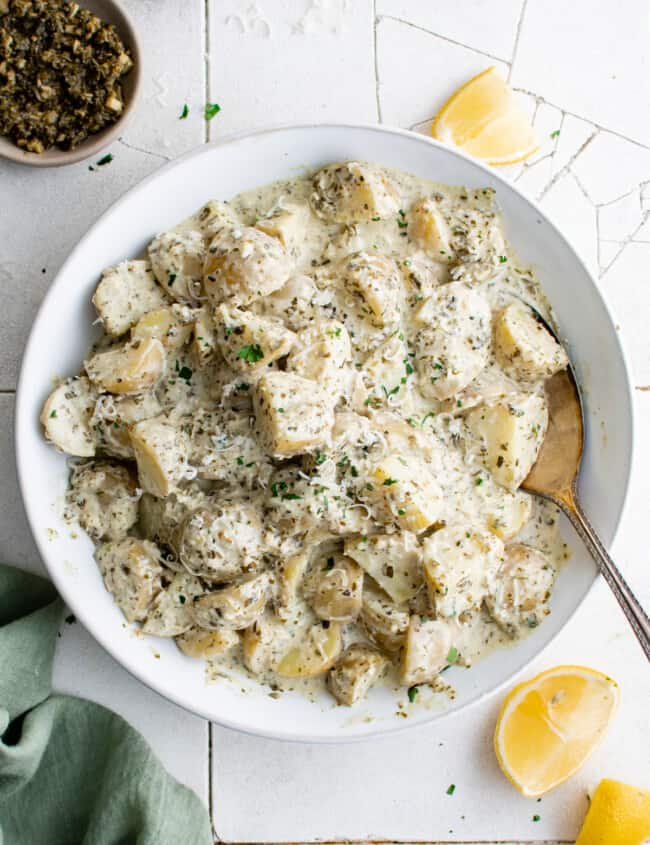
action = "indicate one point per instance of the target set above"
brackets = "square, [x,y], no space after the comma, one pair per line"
[444,38]
[515,47]
[567,167]
[206,65]
[375,21]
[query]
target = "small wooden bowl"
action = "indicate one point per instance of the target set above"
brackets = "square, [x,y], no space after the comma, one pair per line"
[111,12]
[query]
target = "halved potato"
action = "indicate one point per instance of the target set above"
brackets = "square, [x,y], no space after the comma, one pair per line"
[383,620]
[428,227]
[355,672]
[410,492]
[113,417]
[524,346]
[132,368]
[393,560]
[352,191]
[101,496]
[161,451]
[197,642]
[316,652]
[248,342]
[287,224]
[334,588]
[425,652]
[67,417]
[264,643]
[172,326]
[132,574]
[376,281]
[169,614]
[125,293]
[236,606]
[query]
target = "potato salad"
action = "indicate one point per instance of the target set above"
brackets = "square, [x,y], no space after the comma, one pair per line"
[299,443]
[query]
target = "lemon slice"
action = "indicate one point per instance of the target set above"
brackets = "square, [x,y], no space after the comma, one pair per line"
[618,815]
[483,119]
[548,726]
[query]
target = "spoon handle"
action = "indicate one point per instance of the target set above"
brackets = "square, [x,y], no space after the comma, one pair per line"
[629,603]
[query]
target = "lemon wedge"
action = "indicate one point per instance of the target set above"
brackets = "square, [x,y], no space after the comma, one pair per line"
[618,815]
[548,726]
[483,119]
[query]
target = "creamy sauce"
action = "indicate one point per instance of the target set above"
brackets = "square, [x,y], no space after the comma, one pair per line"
[377,293]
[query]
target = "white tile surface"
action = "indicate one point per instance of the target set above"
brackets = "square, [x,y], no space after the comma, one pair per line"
[570,209]
[487,26]
[590,59]
[417,71]
[286,62]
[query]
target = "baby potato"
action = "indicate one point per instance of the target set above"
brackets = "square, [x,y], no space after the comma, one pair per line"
[459,566]
[410,492]
[169,614]
[317,651]
[358,668]
[452,347]
[161,451]
[236,606]
[114,415]
[385,623]
[132,574]
[198,642]
[320,353]
[213,217]
[509,434]
[101,496]
[177,262]
[524,346]
[67,417]
[425,652]
[131,368]
[292,414]
[334,588]
[287,224]
[243,265]
[519,594]
[222,542]
[249,343]
[125,294]
[393,560]
[172,326]
[351,191]
[428,227]
[290,575]
[375,280]
[264,643]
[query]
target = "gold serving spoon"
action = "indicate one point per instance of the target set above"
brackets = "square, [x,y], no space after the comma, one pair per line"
[554,476]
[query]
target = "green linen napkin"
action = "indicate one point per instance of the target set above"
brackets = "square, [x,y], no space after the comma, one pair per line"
[72,772]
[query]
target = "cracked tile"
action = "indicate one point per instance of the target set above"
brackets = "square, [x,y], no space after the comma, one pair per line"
[610,167]
[493,25]
[405,54]
[574,134]
[607,251]
[156,126]
[328,56]
[547,122]
[575,216]
[618,220]
[589,61]
[626,286]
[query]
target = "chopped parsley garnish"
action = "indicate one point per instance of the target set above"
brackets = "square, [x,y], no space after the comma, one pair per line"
[320,458]
[291,497]
[181,599]
[536,818]
[459,403]
[334,332]
[503,259]
[107,159]
[185,373]
[401,213]
[375,219]
[171,279]
[228,331]
[390,392]
[452,655]
[354,471]
[53,415]
[412,693]
[389,481]
[478,481]
[407,262]
[451,789]
[555,134]
[211,110]
[240,461]
[276,486]
[252,353]
[402,223]
[401,512]
[437,366]
[185,112]
[409,368]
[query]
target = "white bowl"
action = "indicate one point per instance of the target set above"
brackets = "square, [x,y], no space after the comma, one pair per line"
[62,334]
